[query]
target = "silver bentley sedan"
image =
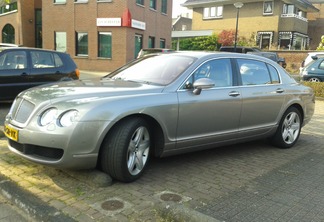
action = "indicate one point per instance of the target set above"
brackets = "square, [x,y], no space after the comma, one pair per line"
[158,105]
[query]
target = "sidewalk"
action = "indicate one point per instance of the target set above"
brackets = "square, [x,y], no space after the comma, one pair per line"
[246,182]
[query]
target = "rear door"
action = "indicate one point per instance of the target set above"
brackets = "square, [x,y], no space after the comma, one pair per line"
[14,73]
[46,67]
[263,97]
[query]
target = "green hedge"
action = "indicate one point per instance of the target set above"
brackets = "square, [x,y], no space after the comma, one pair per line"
[318,88]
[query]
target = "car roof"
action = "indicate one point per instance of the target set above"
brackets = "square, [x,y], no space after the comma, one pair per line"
[29,48]
[220,54]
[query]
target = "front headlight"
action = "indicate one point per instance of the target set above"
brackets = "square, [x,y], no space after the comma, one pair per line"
[67,118]
[48,116]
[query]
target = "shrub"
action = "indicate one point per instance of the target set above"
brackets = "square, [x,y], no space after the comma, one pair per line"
[318,88]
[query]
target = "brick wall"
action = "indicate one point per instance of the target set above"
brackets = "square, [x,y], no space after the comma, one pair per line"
[76,17]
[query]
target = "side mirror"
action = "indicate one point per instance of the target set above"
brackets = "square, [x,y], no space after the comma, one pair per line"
[314,57]
[203,83]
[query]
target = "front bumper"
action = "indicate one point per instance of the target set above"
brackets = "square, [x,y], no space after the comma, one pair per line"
[69,148]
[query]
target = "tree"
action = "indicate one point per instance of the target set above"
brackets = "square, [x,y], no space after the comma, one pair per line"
[321,44]
[4,2]
[226,37]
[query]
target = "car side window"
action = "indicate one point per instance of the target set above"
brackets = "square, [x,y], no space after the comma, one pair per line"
[218,70]
[274,75]
[13,60]
[253,72]
[45,60]
[321,65]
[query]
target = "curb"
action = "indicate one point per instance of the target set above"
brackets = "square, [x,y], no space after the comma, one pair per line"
[30,204]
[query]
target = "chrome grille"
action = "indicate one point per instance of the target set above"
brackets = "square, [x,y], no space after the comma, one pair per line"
[21,110]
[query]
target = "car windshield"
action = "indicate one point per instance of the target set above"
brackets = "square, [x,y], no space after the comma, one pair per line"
[160,70]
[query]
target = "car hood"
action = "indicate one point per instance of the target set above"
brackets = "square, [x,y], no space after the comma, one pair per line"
[96,88]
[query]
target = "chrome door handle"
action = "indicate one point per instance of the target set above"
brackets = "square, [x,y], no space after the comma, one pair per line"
[234,93]
[279,90]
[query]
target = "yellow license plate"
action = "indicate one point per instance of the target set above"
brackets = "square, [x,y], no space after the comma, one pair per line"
[11,133]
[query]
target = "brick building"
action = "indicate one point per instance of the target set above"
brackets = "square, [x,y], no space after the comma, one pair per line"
[272,24]
[20,22]
[100,35]
[105,34]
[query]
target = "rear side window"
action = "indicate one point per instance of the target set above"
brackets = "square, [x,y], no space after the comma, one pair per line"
[13,60]
[255,72]
[274,75]
[45,59]
[321,65]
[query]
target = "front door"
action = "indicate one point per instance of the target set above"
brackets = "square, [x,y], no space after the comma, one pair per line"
[214,114]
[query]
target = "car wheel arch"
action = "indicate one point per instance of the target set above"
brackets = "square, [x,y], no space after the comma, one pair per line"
[155,130]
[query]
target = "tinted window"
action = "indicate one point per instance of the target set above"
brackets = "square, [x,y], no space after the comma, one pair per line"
[321,65]
[218,70]
[45,59]
[253,72]
[13,60]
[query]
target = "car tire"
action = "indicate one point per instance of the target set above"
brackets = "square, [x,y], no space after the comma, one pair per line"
[125,151]
[288,130]
[314,79]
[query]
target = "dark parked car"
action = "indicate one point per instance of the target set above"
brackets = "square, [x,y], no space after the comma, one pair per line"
[314,71]
[273,56]
[159,105]
[239,49]
[22,68]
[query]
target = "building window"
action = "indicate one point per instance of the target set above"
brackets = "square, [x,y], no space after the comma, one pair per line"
[82,44]
[153,4]
[104,44]
[81,1]
[8,34]
[60,1]
[138,44]
[38,28]
[213,12]
[268,8]
[164,6]
[289,9]
[151,42]
[60,41]
[140,2]
[8,8]
[162,43]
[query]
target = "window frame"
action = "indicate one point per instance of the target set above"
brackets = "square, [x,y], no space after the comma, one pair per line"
[151,42]
[81,1]
[265,5]
[213,12]
[77,51]
[153,4]
[109,45]
[59,2]
[55,39]
[164,6]
[140,2]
